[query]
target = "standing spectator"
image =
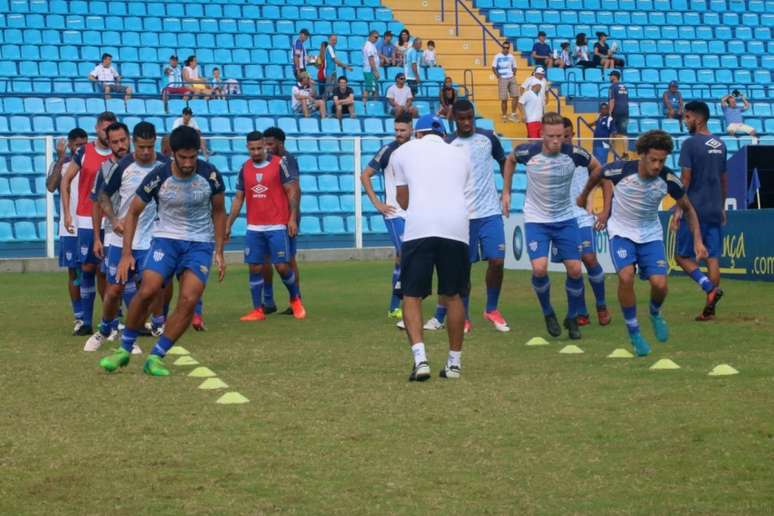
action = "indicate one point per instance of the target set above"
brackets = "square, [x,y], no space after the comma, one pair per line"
[299,53]
[428,56]
[504,67]
[304,100]
[733,113]
[603,128]
[673,102]
[386,48]
[619,108]
[538,76]
[108,78]
[582,57]
[322,59]
[541,52]
[400,97]
[412,64]
[447,96]
[565,59]
[331,62]
[344,99]
[404,43]
[194,79]
[532,107]
[188,120]
[175,84]
[371,66]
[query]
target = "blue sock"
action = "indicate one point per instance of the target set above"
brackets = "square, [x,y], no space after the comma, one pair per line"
[291,285]
[158,320]
[395,300]
[162,346]
[542,288]
[105,327]
[655,307]
[268,294]
[88,293]
[575,296]
[130,289]
[77,311]
[630,317]
[114,324]
[492,298]
[256,289]
[597,282]
[702,279]
[466,303]
[440,312]
[128,338]
[199,308]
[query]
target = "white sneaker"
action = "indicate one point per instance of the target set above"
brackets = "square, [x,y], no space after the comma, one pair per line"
[77,325]
[113,335]
[451,372]
[136,350]
[420,373]
[401,325]
[434,324]
[121,326]
[94,342]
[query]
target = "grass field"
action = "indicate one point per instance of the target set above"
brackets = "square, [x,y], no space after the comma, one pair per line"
[334,427]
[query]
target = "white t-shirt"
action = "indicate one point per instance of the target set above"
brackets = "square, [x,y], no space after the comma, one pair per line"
[543,85]
[533,106]
[191,123]
[73,200]
[193,73]
[103,74]
[369,50]
[299,90]
[504,65]
[399,95]
[439,179]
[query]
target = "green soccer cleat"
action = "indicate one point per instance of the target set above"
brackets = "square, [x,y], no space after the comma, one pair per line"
[119,358]
[154,366]
[660,327]
[395,314]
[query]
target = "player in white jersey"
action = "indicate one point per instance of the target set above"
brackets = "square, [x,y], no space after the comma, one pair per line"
[68,243]
[115,197]
[394,215]
[636,235]
[549,217]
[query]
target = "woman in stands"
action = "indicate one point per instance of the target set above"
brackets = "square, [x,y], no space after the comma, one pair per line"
[404,43]
[197,82]
[603,56]
[447,96]
[582,58]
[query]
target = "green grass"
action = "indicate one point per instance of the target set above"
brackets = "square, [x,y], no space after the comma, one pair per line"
[334,427]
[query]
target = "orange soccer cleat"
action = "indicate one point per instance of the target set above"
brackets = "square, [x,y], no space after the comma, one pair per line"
[299,312]
[255,315]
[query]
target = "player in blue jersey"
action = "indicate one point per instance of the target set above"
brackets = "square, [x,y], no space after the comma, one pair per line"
[636,235]
[703,164]
[190,202]
[549,217]
[487,232]
[394,215]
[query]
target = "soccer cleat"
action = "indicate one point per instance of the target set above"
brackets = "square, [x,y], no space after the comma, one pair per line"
[468,327]
[583,320]
[287,311]
[497,320]
[433,324]
[154,366]
[299,312]
[640,345]
[660,327]
[269,309]
[254,315]
[603,315]
[552,325]
[136,350]
[95,342]
[401,325]
[158,329]
[395,314]
[113,335]
[197,323]
[708,313]
[119,358]
[420,373]
[571,323]
[83,331]
[77,325]
[451,372]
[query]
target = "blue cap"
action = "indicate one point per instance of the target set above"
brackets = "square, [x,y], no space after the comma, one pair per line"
[429,122]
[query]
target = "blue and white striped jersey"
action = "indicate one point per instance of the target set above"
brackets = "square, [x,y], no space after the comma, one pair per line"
[482,147]
[579,180]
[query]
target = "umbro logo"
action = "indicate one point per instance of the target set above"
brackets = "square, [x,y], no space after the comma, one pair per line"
[259,189]
[712,142]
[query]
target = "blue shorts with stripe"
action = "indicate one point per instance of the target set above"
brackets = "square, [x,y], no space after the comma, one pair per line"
[168,257]
[487,239]
[561,237]
[649,257]
[274,243]
[113,258]
[395,228]
[711,236]
[69,255]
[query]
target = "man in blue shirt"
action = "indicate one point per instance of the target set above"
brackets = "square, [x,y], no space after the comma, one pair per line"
[412,65]
[619,103]
[733,114]
[541,52]
[603,128]
[703,164]
[331,62]
[299,53]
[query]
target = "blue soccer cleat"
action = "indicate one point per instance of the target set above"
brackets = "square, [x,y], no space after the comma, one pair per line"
[660,327]
[640,345]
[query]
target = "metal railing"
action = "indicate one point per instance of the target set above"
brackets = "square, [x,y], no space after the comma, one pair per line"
[484,31]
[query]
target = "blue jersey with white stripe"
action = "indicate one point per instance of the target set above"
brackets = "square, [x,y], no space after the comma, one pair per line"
[482,147]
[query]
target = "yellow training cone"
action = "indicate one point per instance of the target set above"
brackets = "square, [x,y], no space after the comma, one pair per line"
[537,341]
[185,360]
[664,363]
[178,350]
[723,370]
[213,383]
[202,372]
[231,398]
[620,353]
[571,349]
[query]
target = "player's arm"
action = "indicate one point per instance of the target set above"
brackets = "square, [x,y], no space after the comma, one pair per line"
[293,193]
[54,179]
[127,262]
[73,168]
[236,203]
[685,178]
[595,176]
[96,228]
[693,223]
[401,185]
[607,203]
[219,222]
[509,167]
[724,193]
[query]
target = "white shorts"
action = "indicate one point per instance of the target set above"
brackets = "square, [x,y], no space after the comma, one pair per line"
[739,128]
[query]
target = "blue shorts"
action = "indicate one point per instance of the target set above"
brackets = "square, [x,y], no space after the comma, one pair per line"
[395,228]
[487,239]
[293,246]
[259,244]
[586,238]
[113,257]
[69,255]
[562,237]
[168,257]
[711,236]
[86,246]
[649,257]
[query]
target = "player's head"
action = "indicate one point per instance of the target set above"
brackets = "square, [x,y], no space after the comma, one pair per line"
[403,123]
[76,139]
[464,116]
[615,76]
[553,133]
[429,124]
[696,115]
[144,140]
[604,109]
[103,121]
[256,146]
[185,142]
[569,132]
[187,115]
[732,101]
[274,139]
[118,139]
[373,36]
[166,149]
[653,148]
[106,59]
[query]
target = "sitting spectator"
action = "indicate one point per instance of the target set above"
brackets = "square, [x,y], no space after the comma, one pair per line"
[304,100]
[531,108]
[108,78]
[603,128]
[541,52]
[538,76]
[411,65]
[175,85]
[733,113]
[403,46]
[447,96]
[564,60]
[218,85]
[604,55]
[582,58]
[386,48]
[428,56]
[299,53]
[331,62]
[194,80]
[188,120]
[400,97]
[673,102]
[344,99]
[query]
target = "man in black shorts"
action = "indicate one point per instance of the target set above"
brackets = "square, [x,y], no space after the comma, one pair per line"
[344,99]
[433,182]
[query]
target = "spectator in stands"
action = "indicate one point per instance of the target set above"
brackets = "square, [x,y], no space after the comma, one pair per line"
[188,120]
[504,67]
[371,66]
[400,97]
[447,96]
[299,53]
[603,55]
[531,108]
[344,99]
[331,62]
[603,128]
[733,114]
[218,85]
[386,48]
[321,63]
[618,100]
[193,78]
[564,60]
[411,65]
[538,76]
[673,102]
[582,58]
[541,52]
[175,84]
[428,56]
[403,46]
[304,100]
[108,78]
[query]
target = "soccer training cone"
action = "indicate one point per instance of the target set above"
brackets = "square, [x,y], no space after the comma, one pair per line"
[202,372]
[620,353]
[664,363]
[723,370]
[232,398]
[185,360]
[177,350]
[537,341]
[213,383]
[571,349]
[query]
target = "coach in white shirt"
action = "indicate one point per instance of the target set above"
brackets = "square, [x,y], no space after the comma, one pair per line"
[108,77]
[433,181]
[532,108]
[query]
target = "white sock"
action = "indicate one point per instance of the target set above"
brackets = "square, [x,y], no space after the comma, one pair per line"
[418,350]
[455,358]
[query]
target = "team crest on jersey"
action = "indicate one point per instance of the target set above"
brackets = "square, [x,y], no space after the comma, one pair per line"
[68,255]
[533,246]
[247,251]
[259,189]
[259,176]
[158,255]
[554,251]
[622,253]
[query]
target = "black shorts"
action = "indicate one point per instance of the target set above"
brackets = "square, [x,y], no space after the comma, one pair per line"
[448,257]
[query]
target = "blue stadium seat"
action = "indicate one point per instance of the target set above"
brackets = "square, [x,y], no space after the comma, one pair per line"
[326,183]
[6,234]
[7,208]
[25,231]
[310,226]
[333,224]
[329,203]
[308,183]
[376,223]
